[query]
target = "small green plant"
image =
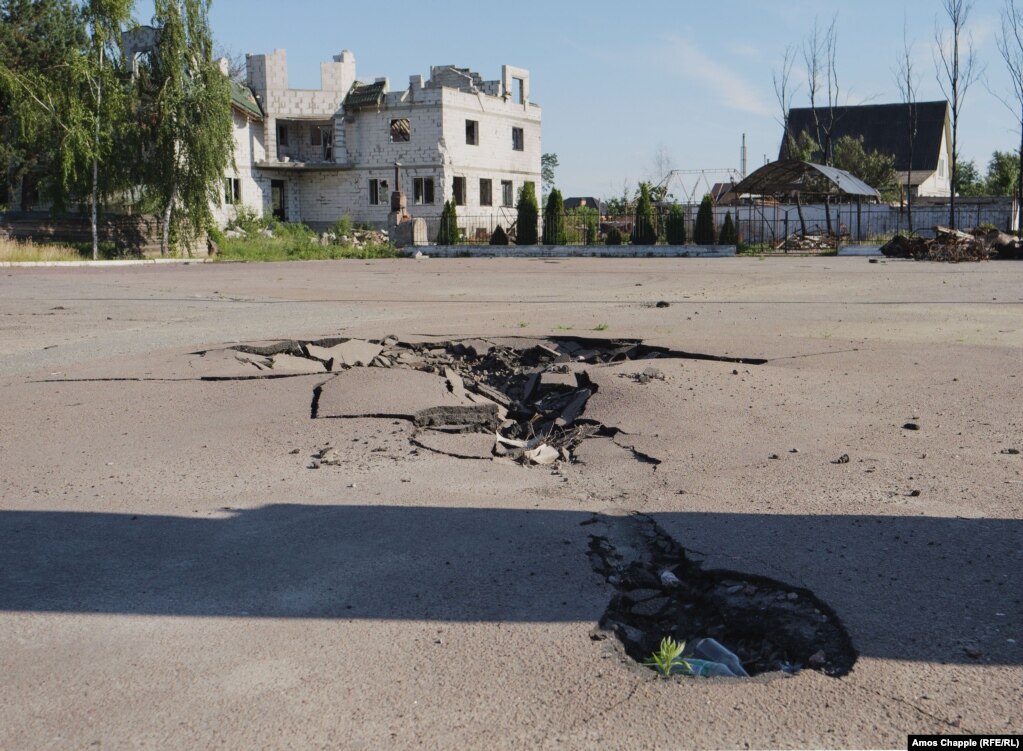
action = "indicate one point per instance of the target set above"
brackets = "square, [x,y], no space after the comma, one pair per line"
[342,230]
[600,327]
[614,237]
[523,324]
[669,657]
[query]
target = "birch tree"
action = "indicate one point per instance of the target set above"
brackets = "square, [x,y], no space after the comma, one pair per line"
[907,81]
[1010,46]
[188,120]
[956,70]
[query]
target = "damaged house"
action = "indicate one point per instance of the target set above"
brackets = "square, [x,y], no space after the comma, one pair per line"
[314,156]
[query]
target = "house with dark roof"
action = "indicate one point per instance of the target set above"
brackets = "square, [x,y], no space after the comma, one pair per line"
[885,129]
[581,202]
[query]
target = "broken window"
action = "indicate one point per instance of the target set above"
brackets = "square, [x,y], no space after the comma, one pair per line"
[327,136]
[232,190]
[507,194]
[458,188]
[282,135]
[518,139]
[401,130]
[315,135]
[486,192]
[377,191]
[422,190]
[472,132]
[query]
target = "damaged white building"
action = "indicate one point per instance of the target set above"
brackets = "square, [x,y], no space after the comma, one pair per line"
[314,156]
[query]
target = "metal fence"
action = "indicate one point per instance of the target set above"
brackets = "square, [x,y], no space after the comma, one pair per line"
[755,223]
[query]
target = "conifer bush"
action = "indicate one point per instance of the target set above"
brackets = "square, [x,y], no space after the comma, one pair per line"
[499,236]
[676,225]
[703,232]
[528,214]
[727,236]
[554,232]
[644,231]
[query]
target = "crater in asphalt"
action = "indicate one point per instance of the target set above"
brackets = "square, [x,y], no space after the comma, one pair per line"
[769,625]
[530,393]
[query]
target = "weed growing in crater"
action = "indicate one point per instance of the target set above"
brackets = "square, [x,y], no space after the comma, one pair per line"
[669,657]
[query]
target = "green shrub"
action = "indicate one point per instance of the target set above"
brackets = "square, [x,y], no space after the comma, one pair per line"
[554,220]
[528,214]
[676,225]
[703,232]
[448,232]
[248,221]
[342,230]
[644,231]
[499,236]
[727,236]
[614,237]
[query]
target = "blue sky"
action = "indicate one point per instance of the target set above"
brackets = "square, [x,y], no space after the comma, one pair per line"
[620,83]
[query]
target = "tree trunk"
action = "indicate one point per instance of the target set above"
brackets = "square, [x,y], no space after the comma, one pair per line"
[799,211]
[95,165]
[1019,183]
[827,215]
[165,238]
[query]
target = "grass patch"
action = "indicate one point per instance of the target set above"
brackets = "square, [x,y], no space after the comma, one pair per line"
[296,242]
[12,251]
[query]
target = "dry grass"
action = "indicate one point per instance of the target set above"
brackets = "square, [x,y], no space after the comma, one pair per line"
[20,252]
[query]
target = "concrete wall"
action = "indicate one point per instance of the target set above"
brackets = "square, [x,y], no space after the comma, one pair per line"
[248,148]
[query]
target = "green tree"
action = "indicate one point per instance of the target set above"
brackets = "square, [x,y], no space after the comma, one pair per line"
[448,232]
[803,147]
[676,225]
[727,236]
[614,236]
[583,224]
[1002,173]
[528,215]
[554,232]
[62,102]
[40,41]
[968,180]
[548,162]
[644,231]
[872,167]
[189,126]
[703,232]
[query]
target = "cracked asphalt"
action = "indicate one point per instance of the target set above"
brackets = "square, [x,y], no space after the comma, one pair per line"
[173,574]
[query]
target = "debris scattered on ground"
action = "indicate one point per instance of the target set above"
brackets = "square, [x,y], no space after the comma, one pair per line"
[767,625]
[911,426]
[843,459]
[797,241]
[953,246]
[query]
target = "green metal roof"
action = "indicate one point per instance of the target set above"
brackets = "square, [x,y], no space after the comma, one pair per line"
[243,98]
[364,95]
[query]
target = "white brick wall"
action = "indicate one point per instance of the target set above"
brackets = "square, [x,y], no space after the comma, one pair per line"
[437,147]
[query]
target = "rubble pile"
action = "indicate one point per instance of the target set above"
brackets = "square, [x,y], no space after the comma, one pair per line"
[357,239]
[796,241]
[953,246]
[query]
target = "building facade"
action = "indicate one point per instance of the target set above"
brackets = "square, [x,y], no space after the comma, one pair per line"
[314,156]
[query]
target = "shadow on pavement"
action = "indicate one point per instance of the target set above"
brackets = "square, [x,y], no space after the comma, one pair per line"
[907,588]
